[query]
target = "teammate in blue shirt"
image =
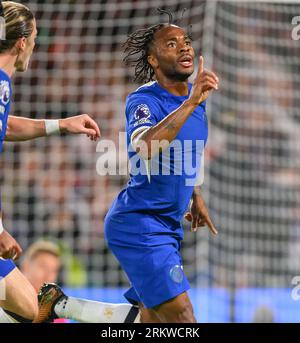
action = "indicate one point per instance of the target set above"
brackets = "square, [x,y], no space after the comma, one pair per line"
[20,300]
[166,132]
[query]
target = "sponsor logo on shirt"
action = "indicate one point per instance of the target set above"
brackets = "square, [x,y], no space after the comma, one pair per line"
[142,112]
[142,115]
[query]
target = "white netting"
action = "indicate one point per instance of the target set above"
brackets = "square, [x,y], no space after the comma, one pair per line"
[50,187]
[252,163]
[254,155]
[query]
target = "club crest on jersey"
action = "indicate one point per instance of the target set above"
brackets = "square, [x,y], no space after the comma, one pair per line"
[176,273]
[4,92]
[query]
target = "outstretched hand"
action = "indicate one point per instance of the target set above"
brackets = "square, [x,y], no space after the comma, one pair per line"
[204,83]
[81,124]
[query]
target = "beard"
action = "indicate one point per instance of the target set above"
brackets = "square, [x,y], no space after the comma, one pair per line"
[182,76]
[20,68]
[177,75]
[20,65]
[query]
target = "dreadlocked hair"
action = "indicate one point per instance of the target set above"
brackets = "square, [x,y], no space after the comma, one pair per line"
[137,48]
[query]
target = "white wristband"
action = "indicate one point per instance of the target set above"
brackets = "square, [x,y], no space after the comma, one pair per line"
[1,226]
[52,127]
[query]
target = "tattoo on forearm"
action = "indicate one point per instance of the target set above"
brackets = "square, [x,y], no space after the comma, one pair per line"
[171,127]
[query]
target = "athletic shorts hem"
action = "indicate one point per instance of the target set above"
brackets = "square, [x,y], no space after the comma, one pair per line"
[151,304]
[6,267]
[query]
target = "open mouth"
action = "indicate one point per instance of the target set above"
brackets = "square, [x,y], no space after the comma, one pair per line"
[186,61]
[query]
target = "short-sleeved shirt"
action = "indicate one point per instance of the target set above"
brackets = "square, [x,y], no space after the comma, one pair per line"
[161,188]
[5,97]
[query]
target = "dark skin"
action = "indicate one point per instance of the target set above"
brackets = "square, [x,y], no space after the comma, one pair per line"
[172,59]
[171,45]
[198,214]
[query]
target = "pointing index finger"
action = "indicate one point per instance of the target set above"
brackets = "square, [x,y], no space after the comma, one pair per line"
[211,226]
[201,63]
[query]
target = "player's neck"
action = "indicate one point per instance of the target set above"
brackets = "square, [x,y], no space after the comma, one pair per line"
[7,63]
[178,88]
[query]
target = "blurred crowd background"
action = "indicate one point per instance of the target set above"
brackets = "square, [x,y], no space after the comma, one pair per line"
[51,189]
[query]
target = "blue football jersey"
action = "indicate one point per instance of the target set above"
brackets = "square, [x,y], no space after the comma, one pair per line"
[5,97]
[161,187]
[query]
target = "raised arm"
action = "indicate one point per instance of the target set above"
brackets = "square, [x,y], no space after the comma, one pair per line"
[23,129]
[147,142]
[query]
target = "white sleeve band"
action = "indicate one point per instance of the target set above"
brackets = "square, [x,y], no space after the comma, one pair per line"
[137,131]
[52,127]
[1,226]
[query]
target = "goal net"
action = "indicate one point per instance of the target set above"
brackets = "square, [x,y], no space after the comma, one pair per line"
[253,157]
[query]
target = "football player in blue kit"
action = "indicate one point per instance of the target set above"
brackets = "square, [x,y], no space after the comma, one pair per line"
[17,296]
[143,226]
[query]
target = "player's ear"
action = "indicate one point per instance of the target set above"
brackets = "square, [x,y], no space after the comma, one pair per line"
[152,60]
[21,44]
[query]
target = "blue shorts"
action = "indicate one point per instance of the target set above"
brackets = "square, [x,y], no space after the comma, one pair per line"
[6,266]
[151,259]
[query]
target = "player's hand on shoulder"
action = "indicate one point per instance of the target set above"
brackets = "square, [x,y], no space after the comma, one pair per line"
[204,83]
[9,248]
[81,124]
